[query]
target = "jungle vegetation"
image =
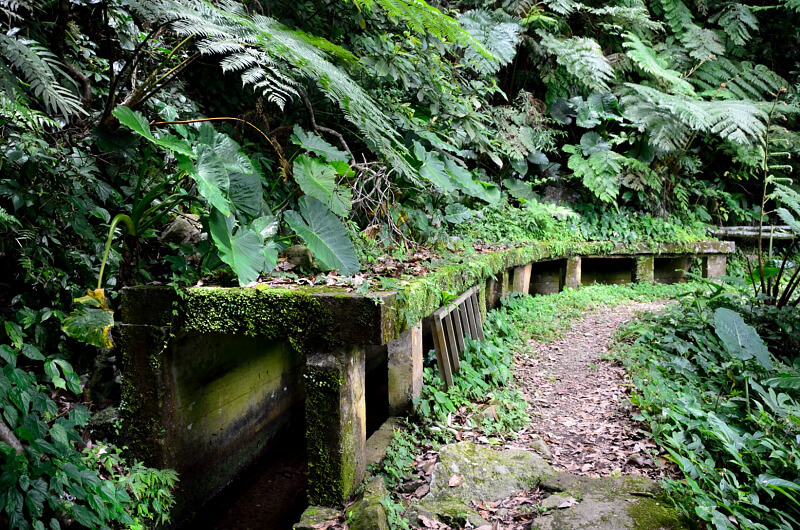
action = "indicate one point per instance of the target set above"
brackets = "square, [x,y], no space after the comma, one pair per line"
[358,129]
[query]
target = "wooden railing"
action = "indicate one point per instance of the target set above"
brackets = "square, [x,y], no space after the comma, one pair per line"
[451,324]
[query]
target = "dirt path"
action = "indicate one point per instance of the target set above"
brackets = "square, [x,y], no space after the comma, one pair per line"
[579,401]
[579,407]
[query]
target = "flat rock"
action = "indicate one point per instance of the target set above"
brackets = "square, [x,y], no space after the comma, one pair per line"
[314,515]
[485,475]
[607,503]
[467,472]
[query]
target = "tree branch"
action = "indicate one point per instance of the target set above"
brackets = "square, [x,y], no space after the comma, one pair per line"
[8,436]
[318,128]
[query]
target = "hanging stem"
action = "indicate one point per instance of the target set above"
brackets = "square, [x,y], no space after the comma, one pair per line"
[119,218]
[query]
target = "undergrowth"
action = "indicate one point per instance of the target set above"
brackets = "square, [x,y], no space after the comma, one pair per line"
[725,407]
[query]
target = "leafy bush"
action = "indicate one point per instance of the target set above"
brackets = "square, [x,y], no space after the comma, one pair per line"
[725,409]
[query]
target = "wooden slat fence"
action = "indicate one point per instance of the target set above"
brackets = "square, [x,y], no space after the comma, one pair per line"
[451,323]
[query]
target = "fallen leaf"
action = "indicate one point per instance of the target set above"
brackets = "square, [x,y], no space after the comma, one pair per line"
[455,480]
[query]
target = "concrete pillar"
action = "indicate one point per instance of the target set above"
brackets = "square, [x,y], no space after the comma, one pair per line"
[504,285]
[573,275]
[522,279]
[335,425]
[492,293]
[405,369]
[714,265]
[644,269]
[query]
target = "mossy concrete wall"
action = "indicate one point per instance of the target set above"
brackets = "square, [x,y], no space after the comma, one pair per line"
[211,375]
[206,405]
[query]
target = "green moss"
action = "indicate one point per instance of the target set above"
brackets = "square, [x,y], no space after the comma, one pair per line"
[654,514]
[325,477]
[268,313]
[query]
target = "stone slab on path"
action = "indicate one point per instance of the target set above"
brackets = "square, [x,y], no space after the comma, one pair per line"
[467,473]
[606,503]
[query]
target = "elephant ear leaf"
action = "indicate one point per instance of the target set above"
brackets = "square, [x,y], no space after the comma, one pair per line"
[91,321]
[324,234]
[741,340]
[243,251]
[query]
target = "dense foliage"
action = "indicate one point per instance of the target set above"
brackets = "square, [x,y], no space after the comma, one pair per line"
[725,406]
[172,141]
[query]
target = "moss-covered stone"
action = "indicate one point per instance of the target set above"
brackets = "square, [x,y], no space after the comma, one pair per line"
[610,503]
[335,425]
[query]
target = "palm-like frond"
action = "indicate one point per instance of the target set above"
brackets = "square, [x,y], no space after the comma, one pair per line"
[583,59]
[702,43]
[645,57]
[40,68]
[499,37]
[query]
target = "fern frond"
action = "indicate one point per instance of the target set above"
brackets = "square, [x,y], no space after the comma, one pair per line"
[40,68]
[600,172]
[499,37]
[727,79]
[702,43]
[11,8]
[670,119]
[425,19]
[18,113]
[737,21]
[563,7]
[626,14]
[274,59]
[583,59]
[791,4]
[644,56]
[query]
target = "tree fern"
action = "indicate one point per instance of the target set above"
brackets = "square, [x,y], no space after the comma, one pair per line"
[727,79]
[737,21]
[644,56]
[40,68]
[498,34]
[670,119]
[583,59]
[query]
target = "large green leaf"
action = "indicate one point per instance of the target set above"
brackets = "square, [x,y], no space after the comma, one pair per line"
[519,189]
[139,124]
[318,180]
[246,193]
[91,321]
[227,149]
[462,179]
[242,251]
[432,168]
[324,235]
[741,340]
[210,175]
[318,146]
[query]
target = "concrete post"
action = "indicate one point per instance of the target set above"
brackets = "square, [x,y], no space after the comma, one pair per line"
[335,425]
[522,279]
[504,284]
[405,369]
[714,265]
[573,275]
[492,293]
[644,269]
